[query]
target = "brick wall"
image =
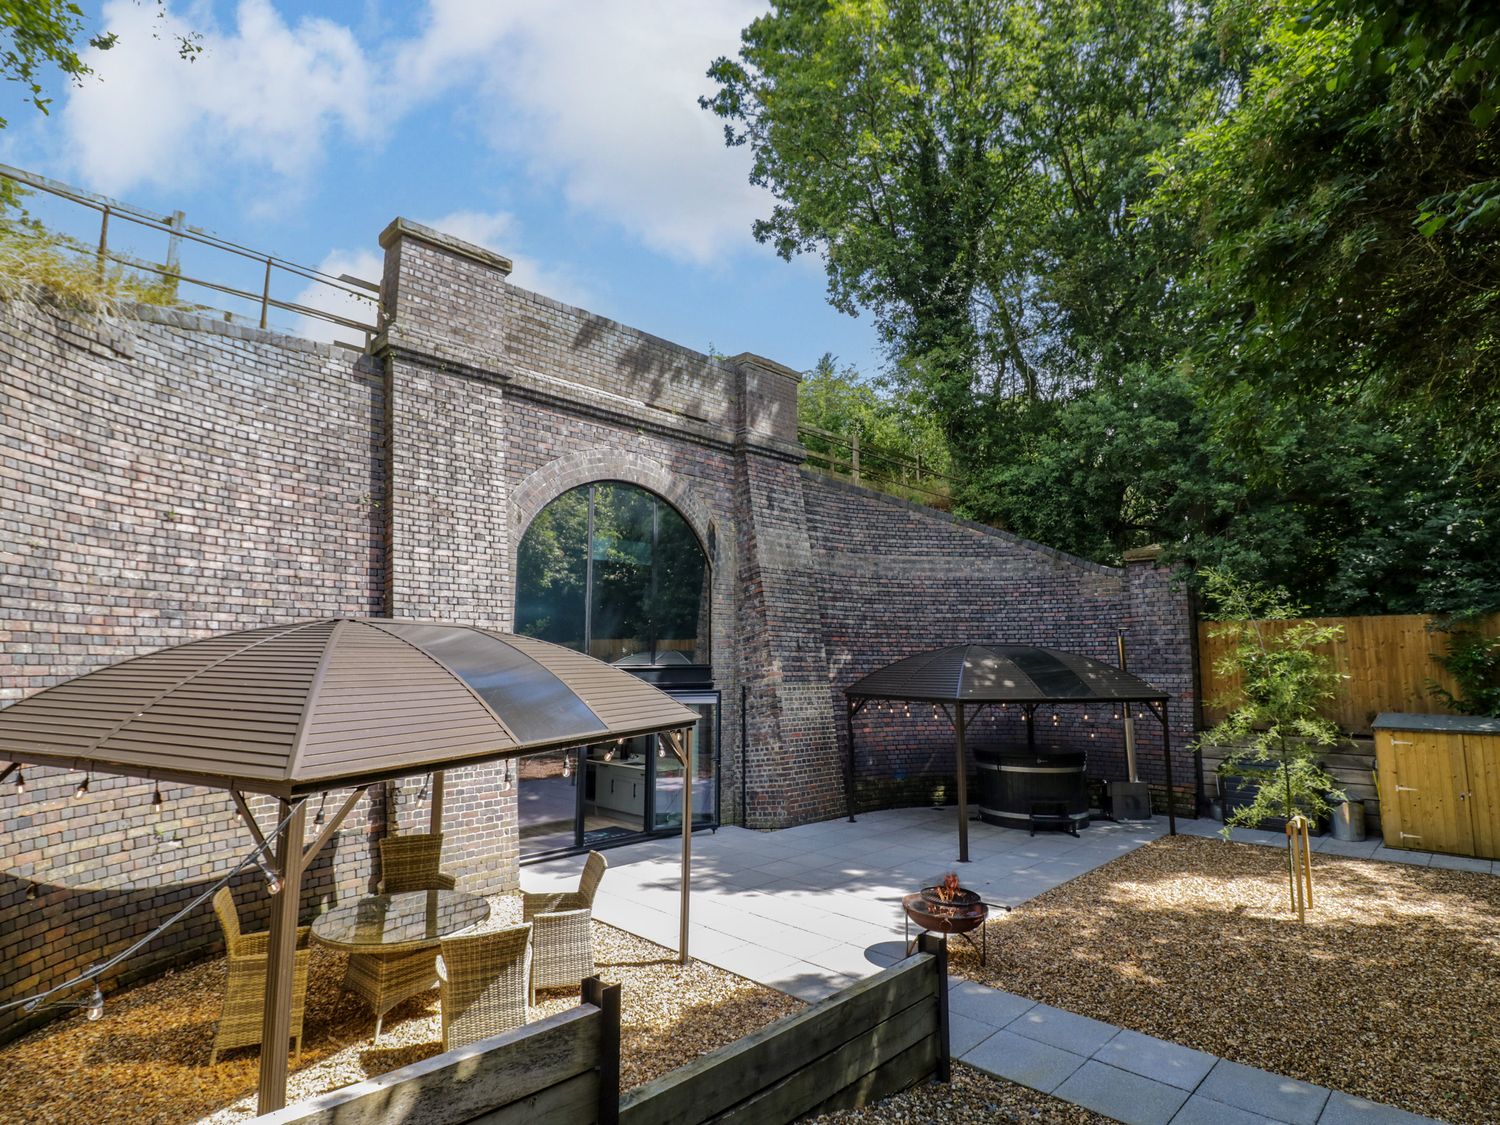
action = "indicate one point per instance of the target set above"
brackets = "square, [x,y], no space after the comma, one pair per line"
[164,479]
[173,477]
[895,578]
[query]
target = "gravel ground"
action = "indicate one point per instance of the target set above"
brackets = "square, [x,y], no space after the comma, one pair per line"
[146,1061]
[972,1096]
[1388,992]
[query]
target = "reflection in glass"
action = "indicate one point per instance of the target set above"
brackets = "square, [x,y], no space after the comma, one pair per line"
[614,796]
[615,571]
[668,804]
[552,571]
[547,800]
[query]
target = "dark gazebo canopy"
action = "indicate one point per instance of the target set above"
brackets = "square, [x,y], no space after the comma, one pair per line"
[975,673]
[299,709]
[969,677]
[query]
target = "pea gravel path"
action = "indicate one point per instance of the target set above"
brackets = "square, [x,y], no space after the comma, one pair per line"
[1388,992]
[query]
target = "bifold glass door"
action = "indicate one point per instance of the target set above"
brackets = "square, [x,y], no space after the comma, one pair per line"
[594,796]
[666,807]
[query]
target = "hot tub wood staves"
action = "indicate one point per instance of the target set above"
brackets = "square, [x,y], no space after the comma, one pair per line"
[1440,783]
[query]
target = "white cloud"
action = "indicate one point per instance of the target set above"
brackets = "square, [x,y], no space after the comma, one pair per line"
[363,264]
[265,94]
[602,99]
[594,98]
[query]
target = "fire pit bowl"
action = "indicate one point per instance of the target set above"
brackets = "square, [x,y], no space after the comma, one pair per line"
[947,909]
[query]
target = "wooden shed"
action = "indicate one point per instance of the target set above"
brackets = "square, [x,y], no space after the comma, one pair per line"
[1440,783]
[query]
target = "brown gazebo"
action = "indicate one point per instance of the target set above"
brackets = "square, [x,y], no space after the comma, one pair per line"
[291,711]
[962,680]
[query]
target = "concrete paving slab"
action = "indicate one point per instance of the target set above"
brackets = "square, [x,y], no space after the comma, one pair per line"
[1019,1059]
[1071,1032]
[1346,1109]
[964,1034]
[987,1005]
[1198,1110]
[1401,855]
[1461,863]
[1154,1058]
[1260,1091]
[1126,1097]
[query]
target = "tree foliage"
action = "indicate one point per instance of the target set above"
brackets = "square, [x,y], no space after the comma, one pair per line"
[1328,270]
[1219,275]
[1274,725]
[37,36]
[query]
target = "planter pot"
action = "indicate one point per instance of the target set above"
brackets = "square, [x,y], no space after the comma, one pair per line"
[1237,793]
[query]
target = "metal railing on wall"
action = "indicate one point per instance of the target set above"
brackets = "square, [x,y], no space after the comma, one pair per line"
[846,457]
[268,267]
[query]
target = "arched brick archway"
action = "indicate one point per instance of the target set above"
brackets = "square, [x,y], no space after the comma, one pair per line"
[587,466]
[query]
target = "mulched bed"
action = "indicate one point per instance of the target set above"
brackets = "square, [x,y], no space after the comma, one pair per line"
[147,1059]
[1389,992]
[972,1096]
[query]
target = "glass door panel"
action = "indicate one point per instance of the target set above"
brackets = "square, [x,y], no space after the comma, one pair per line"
[547,800]
[614,795]
[667,794]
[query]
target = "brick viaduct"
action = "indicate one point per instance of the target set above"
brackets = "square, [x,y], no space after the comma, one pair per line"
[166,476]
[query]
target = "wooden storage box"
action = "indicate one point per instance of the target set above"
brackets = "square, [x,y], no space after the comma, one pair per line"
[1440,783]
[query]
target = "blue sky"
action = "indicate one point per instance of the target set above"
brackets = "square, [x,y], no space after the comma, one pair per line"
[565,135]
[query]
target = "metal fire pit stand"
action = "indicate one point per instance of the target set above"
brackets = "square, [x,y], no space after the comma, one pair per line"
[983,945]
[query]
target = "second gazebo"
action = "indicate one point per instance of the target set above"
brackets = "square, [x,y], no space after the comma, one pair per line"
[962,680]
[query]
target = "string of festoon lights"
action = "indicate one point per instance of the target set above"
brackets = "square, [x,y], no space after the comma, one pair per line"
[93,1003]
[994,709]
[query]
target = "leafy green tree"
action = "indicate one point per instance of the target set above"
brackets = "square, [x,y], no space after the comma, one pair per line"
[1328,270]
[1274,726]
[896,433]
[969,170]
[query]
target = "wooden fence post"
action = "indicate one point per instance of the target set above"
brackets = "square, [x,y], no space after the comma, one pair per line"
[938,947]
[854,446]
[606,997]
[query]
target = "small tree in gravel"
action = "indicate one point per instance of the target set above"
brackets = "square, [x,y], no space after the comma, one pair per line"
[1274,723]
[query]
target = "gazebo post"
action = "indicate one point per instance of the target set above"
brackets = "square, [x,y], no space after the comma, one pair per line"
[683,739]
[850,710]
[962,768]
[281,958]
[1166,749]
[435,823]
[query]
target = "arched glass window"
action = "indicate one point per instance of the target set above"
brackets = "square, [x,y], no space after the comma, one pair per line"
[614,571]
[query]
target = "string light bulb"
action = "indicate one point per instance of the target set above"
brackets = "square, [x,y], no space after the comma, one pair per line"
[156,799]
[83,787]
[95,1007]
[20,782]
[273,880]
[31,892]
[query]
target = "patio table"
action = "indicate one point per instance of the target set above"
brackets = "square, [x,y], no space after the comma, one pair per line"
[392,941]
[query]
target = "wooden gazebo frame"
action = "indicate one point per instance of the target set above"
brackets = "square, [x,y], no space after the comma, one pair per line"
[295,711]
[962,680]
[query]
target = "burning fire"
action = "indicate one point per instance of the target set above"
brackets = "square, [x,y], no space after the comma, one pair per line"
[949,889]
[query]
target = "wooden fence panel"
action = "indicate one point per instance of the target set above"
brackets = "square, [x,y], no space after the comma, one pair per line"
[1388,661]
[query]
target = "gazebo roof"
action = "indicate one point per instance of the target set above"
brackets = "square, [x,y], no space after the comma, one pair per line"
[315,705]
[988,673]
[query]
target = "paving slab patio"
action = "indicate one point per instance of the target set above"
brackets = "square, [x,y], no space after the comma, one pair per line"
[812,909]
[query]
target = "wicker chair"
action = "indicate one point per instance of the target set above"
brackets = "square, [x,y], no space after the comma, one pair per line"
[411,863]
[562,935]
[245,991]
[482,984]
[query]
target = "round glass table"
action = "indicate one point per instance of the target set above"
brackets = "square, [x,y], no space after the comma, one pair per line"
[415,918]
